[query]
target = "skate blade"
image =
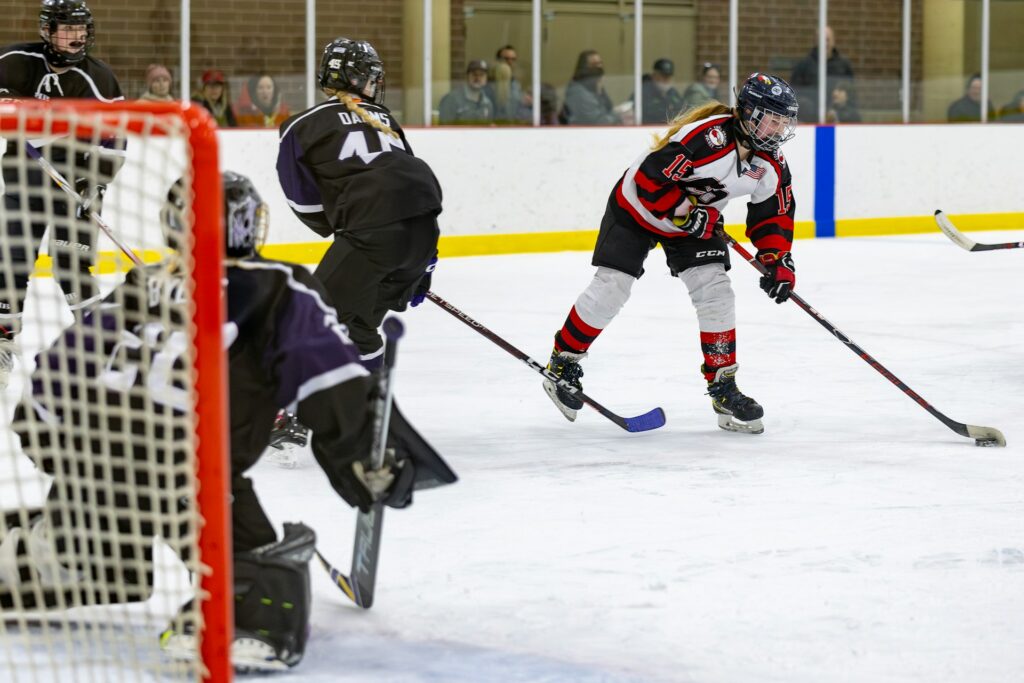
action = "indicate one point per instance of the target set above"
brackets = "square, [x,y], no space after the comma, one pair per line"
[730,424]
[249,655]
[552,391]
[286,457]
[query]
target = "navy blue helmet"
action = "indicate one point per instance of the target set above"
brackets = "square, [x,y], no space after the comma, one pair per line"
[767,109]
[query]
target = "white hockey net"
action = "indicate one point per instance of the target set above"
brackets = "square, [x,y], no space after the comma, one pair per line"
[113,409]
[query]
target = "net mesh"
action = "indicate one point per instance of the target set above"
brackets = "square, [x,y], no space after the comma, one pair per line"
[99,543]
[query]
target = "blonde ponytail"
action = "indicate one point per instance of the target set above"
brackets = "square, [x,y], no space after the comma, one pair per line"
[712,108]
[352,104]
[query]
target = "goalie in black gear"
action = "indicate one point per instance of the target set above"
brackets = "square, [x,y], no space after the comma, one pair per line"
[284,339]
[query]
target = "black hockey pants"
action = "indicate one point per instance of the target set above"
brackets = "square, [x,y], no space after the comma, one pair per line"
[369,272]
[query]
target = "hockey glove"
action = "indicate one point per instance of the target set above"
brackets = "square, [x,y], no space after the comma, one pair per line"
[780,280]
[92,196]
[700,222]
[424,285]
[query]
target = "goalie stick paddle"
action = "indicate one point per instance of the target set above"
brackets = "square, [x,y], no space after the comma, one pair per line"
[962,240]
[361,581]
[652,419]
[983,436]
[63,184]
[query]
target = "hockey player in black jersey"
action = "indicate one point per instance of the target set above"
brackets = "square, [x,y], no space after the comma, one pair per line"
[348,172]
[287,350]
[674,194]
[58,66]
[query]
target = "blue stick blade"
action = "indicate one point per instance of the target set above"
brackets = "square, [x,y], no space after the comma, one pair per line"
[647,421]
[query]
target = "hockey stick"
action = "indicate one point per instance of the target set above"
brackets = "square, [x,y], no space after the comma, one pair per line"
[983,436]
[63,184]
[641,423]
[359,584]
[962,240]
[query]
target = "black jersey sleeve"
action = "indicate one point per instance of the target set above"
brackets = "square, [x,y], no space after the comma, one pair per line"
[299,183]
[14,72]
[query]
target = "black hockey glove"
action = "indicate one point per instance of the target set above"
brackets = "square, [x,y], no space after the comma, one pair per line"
[93,196]
[780,279]
[700,222]
[424,285]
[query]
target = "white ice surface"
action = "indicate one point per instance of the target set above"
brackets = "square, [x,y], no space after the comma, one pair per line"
[857,539]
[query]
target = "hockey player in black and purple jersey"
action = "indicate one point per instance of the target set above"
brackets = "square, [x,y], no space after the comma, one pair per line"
[286,349]
[58,66]
[674,194]
[348,172]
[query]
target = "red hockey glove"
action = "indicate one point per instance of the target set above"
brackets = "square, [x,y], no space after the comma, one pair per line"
[700,222]
[781,277]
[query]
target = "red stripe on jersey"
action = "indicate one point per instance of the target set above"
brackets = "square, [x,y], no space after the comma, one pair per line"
[583,327]
[646,183]
[784,222]
[716,156]
[641,221]
[715,121]
[773,242]
[670,200]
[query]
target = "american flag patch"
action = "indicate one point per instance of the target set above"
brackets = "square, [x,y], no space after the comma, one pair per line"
[756,172]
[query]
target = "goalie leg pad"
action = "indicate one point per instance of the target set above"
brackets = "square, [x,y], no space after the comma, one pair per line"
[272,596]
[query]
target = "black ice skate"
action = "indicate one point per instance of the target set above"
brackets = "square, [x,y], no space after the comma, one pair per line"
[287,437]
[565,366]
[736,412]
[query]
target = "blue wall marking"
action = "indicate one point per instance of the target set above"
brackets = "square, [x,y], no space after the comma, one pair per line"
[825,181]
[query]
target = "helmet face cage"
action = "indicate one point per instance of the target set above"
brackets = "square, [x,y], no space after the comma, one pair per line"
[352,65]
[246,216]
[56,13]
[768,110]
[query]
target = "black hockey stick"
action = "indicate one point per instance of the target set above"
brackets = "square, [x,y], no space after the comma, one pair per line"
[983,436]
[63,184]
[641,423]
[359,584]
[962,240]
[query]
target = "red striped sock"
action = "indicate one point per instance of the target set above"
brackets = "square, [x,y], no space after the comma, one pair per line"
[719,350]
[575,336]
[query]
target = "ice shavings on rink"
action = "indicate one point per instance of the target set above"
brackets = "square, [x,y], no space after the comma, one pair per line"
[857,539]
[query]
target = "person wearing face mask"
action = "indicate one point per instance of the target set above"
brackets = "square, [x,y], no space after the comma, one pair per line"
[661,100]
[586,100]
[468,103]
[705,89]
[260,104]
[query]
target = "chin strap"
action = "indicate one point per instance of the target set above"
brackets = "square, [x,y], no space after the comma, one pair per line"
[741,134]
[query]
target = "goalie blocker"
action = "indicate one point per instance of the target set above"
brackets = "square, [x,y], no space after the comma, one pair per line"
[282,338]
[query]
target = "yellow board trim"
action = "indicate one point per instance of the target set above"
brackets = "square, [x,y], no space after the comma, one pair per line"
[450,246]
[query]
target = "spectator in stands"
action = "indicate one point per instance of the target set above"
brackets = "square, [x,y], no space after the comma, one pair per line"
[705,89]
[841,108]
[260,104]
[968,107]
[512,104]
[214,96]
[805,76]
[468,103]
[660,98]
[1013,112]
[586,101]
[158,84]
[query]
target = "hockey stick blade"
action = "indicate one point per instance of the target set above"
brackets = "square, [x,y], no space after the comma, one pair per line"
[983,436]
[962,240]
[652,419]
[340,580]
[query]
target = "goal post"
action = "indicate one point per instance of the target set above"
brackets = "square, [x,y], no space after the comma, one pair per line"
[114,471]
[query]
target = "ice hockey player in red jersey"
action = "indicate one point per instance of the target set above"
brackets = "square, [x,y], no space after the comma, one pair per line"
[674,195]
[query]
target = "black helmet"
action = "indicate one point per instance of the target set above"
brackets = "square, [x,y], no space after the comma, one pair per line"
[352,65]
[56,13]
[767,110]
[245,216]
